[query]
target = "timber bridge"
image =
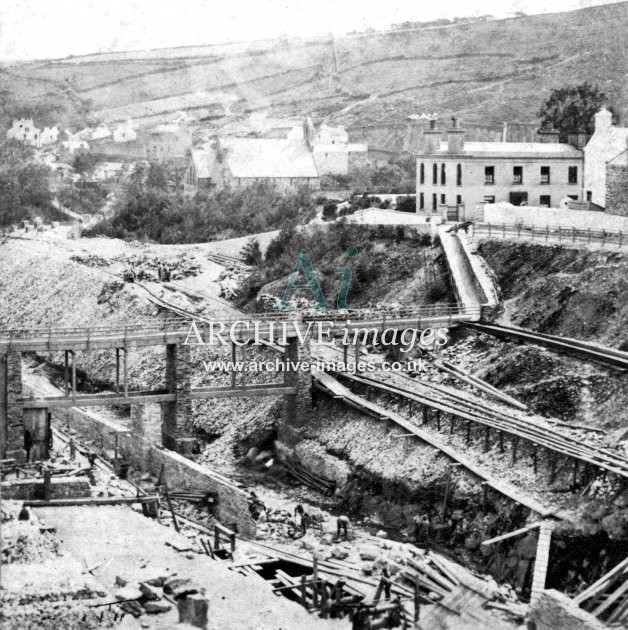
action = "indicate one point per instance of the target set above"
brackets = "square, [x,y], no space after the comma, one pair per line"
[177,339]
[295,386]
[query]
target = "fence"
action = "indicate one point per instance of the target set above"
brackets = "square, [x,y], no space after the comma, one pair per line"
[545,233]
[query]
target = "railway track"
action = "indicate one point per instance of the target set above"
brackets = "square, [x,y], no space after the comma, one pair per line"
[225,260]
[476,410]
[611,357]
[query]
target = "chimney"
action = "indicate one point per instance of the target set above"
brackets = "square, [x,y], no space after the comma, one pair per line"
[577,139]
[548,136]
[603,119]
[431,138]
[455,138]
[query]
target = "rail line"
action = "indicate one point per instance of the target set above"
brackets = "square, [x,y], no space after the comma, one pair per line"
[475,410]
[611,357]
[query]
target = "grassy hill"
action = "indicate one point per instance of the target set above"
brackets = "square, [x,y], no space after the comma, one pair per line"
[483,72]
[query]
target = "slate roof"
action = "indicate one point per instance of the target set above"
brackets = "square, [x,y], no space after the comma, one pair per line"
[268,158]
[513,150]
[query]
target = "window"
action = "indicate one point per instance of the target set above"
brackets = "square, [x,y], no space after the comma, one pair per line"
[489,174]
[443,175]
[489,199]
[458,199]
[459,175]
[422,173]
[574,197]
[545,174]
[573,175]
[421,201]
[518,198]
[589,195]
[443,199]
[517,175]
[545,201]
[434,201]
[434,174]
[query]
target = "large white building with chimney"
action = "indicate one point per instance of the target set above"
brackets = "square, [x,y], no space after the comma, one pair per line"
[455,173]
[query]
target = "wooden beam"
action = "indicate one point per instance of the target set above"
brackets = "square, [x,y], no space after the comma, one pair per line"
[271,389]
[539,576]
[611,599]
[517,532]
[600,584]
[91,501]
[97,400]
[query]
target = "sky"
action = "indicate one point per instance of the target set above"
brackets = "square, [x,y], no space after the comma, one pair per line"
[47,29]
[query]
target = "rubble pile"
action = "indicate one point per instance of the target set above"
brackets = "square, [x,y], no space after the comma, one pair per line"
[24,538]
[90,260]
[230,280]
[146,266]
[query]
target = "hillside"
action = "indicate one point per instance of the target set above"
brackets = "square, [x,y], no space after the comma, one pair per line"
[484,72]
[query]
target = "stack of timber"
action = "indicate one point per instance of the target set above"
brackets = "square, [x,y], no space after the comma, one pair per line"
[607,599]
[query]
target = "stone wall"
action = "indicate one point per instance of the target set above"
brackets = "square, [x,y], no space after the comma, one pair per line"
[175,435]
[556,611]
[617,189]
[179,472]
[14,408]
[33,489]
[297,408]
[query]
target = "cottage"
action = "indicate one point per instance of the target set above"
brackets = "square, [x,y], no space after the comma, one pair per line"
[24,130]
[332,151]
[102,131]
[605,146]
[49,135]
[456,173]
[124,132]
[167,143]
[236,162]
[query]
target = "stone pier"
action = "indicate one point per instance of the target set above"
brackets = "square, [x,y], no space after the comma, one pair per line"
[297,408]
[176,415]
[11,407]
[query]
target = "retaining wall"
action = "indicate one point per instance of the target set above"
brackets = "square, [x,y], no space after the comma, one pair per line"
[529,215]
[33,489]
[180,472]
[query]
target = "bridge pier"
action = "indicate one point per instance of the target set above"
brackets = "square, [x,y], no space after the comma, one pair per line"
[296,408]
[11,407]
[176,415]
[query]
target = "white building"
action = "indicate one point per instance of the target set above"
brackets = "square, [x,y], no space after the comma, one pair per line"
[74,146]
[124,132]
[236,162]
[102,131]
[333,153]
[457,173]
[24,130]
[49,135]
[606,143]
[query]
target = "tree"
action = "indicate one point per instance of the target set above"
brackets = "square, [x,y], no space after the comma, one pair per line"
[24,188]
[329,211]
[572,109]
[85,162]
[252,253]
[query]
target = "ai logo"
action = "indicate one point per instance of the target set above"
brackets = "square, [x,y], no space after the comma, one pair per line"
[304,265]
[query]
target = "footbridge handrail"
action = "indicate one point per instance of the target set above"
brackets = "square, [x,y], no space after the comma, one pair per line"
[365,315]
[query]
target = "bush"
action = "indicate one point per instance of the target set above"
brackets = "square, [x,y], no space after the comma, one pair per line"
[406,204]
[24,188]
[329,211]
[151,212]
[252,253]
